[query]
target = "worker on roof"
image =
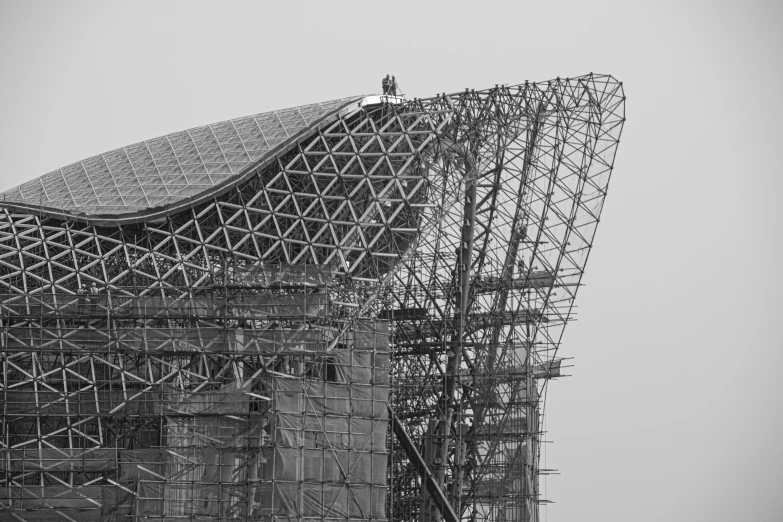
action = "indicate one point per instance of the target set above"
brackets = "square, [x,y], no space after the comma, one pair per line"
[393,87]
[386,84]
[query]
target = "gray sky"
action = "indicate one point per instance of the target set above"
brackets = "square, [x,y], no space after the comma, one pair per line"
[674,410]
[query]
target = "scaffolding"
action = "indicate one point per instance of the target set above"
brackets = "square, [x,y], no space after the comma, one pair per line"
[213,407]
[357,319]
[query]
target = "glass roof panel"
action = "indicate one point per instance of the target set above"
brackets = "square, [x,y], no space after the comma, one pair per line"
[169,168]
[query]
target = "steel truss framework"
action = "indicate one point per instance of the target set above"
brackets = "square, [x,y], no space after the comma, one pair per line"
[466,219]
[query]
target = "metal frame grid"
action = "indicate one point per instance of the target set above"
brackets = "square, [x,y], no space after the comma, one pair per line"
[466,219]
[479,309]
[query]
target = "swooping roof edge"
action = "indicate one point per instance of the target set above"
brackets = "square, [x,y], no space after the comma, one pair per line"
[194,164]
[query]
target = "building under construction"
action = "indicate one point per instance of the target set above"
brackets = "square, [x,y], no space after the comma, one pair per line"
[341,311]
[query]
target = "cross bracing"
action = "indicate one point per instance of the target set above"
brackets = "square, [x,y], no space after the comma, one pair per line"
[464,219]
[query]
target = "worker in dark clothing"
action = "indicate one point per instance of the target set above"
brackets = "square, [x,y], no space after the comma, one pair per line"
[393,88]
[386,84]
[521,268]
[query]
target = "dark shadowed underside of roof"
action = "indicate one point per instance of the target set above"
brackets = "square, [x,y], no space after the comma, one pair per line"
[167,169]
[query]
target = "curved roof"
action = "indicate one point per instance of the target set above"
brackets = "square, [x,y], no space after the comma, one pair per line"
[168,169]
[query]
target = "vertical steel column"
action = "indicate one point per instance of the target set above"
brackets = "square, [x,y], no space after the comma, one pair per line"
[463,280]
[518,236]
[429,455]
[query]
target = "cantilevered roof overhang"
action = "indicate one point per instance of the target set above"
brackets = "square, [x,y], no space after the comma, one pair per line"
[155,178]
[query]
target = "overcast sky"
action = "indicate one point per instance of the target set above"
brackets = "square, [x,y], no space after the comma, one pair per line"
[674,410]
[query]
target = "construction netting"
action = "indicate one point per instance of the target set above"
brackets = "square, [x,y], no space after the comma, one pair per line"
[264,446]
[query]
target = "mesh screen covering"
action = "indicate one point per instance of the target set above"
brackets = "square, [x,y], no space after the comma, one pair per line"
[277,444]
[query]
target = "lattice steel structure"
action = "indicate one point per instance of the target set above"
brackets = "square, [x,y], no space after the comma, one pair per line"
[463,220]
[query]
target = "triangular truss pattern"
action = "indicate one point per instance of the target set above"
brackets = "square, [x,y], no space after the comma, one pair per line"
[464,219]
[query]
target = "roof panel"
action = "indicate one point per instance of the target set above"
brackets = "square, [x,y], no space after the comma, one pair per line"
[169,168]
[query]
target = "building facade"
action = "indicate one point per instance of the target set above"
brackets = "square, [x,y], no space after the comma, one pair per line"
[347,310]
